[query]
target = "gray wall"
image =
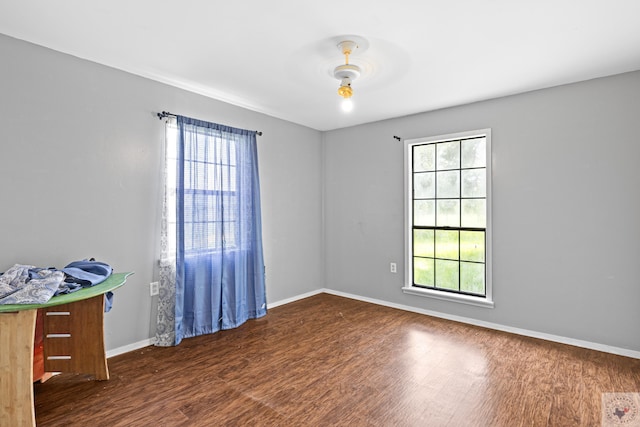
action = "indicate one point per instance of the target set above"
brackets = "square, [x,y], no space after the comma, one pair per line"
[566,209]
[80,152]
[80,155]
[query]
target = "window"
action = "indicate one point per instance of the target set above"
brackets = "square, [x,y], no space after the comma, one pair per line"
[448,217]
[210,199]
[211,262]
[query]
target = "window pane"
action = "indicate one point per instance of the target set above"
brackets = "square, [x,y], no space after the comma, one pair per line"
[213,178]
[424,185]
[474,183]
[448,212]
[187,176]
[472,278]
[424,212]
[423,243]
[424,158]
[474,153]
[229,234]
[472,246]
[232,174]
[197,212]
[212,211]
[448,184]
[225,152]
[230,203]
[189,152]
[225,179]
[197,236]
[474,213]
[448,155]
[190,207]
[231,153]
[447,244]
[447,275]
[188,233]
[423,271]
[213,233]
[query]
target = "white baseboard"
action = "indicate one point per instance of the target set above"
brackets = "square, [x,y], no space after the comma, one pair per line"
[295,298]
[130,347]
[518,331]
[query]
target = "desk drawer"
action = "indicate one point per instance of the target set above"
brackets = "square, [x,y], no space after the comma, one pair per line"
[74,338]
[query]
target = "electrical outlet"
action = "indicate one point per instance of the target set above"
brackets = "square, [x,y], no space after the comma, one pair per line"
[393,267]
[153,288]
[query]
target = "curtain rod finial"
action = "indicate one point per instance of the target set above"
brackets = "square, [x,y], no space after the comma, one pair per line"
[397,137]
[164,115]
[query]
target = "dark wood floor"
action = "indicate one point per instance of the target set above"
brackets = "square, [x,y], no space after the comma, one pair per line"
[332,361]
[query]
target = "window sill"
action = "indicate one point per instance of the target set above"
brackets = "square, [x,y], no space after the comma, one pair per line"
[446,296]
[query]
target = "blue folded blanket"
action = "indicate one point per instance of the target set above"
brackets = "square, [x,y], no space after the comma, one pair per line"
[81,274]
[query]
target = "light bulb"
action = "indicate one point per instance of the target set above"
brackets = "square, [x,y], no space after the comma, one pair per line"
[347,105]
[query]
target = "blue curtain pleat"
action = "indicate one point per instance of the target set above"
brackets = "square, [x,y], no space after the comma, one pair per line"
[219,260]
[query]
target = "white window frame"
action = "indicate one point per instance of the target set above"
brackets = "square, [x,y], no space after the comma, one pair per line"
[409,288]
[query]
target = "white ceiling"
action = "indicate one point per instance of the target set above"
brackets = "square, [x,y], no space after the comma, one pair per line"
[277,56]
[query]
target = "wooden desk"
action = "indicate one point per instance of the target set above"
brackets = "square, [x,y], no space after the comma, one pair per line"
[73,342]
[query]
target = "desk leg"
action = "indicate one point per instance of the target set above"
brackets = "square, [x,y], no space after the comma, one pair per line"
[16,368]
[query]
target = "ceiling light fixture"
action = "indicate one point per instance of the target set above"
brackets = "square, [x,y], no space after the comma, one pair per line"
[346,73]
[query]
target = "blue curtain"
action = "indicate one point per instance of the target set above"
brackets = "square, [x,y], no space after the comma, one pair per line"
[219,282]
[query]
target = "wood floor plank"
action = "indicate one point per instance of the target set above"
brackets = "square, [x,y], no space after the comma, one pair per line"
[332,361]
[568,394]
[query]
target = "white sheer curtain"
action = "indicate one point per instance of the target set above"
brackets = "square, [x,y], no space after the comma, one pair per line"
[165,328]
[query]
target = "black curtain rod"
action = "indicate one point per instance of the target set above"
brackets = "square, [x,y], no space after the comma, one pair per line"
[166,114]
